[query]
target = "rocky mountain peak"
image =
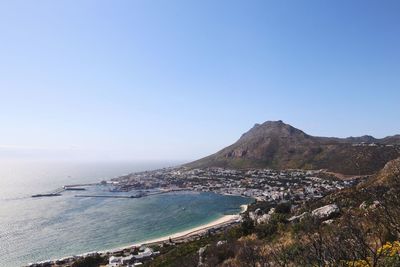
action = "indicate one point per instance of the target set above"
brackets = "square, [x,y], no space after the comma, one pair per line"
[270,129]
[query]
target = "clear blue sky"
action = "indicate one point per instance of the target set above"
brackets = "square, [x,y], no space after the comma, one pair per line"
[181,79]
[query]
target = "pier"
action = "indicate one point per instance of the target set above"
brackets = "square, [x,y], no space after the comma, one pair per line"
[58,191]
[110,196]
[67,188]
[47,195]
[77,185]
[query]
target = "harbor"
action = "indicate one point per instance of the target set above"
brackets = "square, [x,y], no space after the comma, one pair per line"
[114,191]
[58,192]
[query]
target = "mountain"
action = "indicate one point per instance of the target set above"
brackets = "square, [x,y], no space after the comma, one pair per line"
[390,140]
[388,176]
[277,145]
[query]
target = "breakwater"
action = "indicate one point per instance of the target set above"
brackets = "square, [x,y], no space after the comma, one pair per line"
[109,196]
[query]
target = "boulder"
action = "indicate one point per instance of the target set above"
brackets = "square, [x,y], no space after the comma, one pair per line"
[221,242]
[263,219]
[375,204]
[363,205]
[330,221]
[326,212]
[201,253]
[298,218]
[271,211]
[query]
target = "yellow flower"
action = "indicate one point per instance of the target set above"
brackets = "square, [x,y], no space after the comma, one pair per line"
[390,249]
[387,250]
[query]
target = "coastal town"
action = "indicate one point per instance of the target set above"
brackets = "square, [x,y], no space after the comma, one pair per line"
[263,185]
[260,184]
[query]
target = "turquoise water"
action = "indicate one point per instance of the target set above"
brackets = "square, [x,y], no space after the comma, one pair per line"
[46,228]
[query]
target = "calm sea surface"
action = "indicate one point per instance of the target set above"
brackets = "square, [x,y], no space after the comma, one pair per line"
[34,229]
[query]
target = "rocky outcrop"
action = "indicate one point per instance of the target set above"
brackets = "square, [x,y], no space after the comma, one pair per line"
[264,219]
[366,206]
[298,218]
[326,212]
[259,217]
[201,255]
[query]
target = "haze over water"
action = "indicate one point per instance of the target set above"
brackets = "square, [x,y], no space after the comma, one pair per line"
[48,228]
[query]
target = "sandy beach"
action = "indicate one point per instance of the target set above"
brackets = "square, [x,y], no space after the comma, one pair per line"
[183,235]
[223,221]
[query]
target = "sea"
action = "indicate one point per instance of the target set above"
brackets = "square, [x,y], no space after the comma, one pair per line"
[36,229]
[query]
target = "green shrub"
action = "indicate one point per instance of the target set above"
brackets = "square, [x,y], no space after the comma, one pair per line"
[89,262]
[247,225]
[266,230]
[283,208]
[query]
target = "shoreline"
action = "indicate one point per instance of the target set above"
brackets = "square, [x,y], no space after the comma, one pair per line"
[220,222]
[225,220]
[178,237]
[198,230]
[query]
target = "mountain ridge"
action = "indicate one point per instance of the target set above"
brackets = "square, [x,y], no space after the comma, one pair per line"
[277,145]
